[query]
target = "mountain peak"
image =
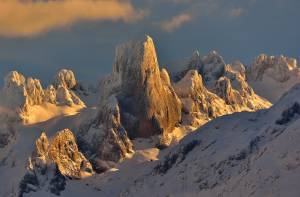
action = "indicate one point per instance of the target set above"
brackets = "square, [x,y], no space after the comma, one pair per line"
[14,77]
[65,78]
[278,73]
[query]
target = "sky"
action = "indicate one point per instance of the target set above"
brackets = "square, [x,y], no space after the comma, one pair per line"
[39,37]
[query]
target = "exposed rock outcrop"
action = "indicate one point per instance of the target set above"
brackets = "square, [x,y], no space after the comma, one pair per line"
[277,67]
[142,92]
[62,150]
[50,94]
[64,153]
[225,91]
[224,84]
[199,104]
[147,100]
[213,68]
[104,139]
[20,94]
[65,96]
[137,100]
[65,78]
[271,76]
[52,161]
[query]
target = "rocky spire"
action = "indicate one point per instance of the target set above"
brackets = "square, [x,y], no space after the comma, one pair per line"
[277,67]
[52,161]
[272,76]
[221,89]
[19,94]
[104,139]
[65,78]
[199,104]
[141,91]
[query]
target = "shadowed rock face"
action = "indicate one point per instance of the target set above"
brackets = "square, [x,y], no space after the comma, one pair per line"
[225,91]
[104,139]
[142,92]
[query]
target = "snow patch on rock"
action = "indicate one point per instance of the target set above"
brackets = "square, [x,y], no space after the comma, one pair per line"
[272,76]
[22,95]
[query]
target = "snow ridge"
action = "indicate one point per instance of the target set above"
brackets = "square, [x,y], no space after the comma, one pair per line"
[22,95]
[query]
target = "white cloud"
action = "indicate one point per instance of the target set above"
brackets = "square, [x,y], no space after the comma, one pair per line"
[29,18]
[176,22]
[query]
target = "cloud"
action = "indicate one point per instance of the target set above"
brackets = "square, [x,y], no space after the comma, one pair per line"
[176,22]
[236,12]
[23,18]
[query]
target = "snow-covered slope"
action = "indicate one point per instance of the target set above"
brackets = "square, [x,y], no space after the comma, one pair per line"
[30,103]
[271,76]
[244,154]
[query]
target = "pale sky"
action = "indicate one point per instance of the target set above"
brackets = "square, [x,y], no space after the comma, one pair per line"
[39,37]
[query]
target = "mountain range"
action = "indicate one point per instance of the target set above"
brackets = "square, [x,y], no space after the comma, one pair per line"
[211,129]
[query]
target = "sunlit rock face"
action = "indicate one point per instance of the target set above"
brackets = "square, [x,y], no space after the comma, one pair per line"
[35,91]
[148,103]
[137,100]
[52,161]
[271,76]
[50,94]
[222,88]
[277,67]
[63,151]
[65,78]
[14,90]
[65,96]
[199,104]
[21,94]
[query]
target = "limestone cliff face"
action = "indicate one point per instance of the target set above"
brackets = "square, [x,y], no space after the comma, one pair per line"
[104,139]
[222,88]
[137,100]
[52,162]
[20,94]
[63,151]
[50,94]
[143,91]
[272,76]
[199,104]
[65,78]
[65,96]
[280,68]
[225,91]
